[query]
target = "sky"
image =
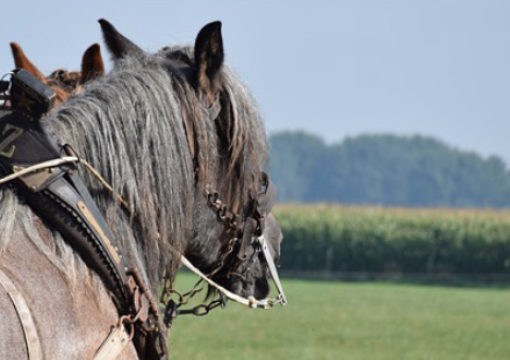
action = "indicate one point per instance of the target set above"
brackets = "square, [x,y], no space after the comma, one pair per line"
[334,68]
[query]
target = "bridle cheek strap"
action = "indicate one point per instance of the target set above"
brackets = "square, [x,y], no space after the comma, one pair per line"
[272,269]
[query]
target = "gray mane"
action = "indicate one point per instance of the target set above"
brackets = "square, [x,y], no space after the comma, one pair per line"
[146,131]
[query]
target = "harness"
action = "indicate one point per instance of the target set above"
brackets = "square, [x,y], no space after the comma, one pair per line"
[43,172]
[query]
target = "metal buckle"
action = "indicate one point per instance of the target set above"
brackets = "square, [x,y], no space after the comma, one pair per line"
[5,91]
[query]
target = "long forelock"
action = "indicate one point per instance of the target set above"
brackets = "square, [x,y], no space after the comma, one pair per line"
[248,147]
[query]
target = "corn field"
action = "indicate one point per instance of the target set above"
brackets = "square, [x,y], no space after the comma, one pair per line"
[377,240]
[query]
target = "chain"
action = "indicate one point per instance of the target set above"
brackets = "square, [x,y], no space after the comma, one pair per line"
[231,224]
[173,308]
[226,217]
[203,309]
[168,292]
[230,221]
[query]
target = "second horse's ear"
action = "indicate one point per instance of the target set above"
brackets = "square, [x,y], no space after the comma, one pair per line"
[21,62]
[208,57]
[91,64]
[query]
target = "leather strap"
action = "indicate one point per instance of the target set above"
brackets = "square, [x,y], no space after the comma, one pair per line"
[117,340]
[32,341]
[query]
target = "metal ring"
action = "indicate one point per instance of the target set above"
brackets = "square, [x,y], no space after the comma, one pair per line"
[11,73]
[197,312]
[212,197]
[126,320]
[6,74]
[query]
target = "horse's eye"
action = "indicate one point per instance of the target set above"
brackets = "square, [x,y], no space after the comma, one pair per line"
[61,74]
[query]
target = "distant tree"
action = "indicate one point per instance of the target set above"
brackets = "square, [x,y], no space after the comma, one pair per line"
[386,170]
[298,160]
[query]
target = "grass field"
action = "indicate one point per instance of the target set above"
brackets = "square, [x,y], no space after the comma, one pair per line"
[338,320]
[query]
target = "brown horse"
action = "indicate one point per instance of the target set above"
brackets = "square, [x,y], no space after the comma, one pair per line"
[61,81]
[165,130]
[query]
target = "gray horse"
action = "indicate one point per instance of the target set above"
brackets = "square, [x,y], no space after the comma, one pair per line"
[163,129]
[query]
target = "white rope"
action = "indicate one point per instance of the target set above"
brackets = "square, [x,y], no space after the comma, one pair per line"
[39,166]
[250,302]
[60,161]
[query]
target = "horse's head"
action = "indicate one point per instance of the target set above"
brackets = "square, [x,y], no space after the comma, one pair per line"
[61,81]
[229,164]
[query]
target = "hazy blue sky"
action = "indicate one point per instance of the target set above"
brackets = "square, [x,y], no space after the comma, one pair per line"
[336,68]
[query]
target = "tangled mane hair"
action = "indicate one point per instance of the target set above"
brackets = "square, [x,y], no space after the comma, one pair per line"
[150,134]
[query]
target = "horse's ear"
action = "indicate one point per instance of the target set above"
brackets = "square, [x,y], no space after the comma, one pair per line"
[208,56]
[91,64]
[118,44]
[21,62]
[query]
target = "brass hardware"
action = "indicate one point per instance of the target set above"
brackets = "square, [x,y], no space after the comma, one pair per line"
[5,151]
[92,220]
[35,180]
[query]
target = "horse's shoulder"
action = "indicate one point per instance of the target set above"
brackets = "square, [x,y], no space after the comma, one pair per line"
[12,343]
[72,311]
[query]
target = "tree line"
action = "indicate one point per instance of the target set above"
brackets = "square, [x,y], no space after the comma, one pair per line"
[385,170]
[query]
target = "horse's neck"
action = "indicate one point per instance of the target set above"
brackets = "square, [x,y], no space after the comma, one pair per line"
[71,308]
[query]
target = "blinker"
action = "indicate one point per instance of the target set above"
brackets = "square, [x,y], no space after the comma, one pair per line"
[29,95]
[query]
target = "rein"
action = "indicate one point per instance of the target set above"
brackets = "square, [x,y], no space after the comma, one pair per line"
[54,190]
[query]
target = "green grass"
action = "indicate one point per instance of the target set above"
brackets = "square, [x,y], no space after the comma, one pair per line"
[336,320]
